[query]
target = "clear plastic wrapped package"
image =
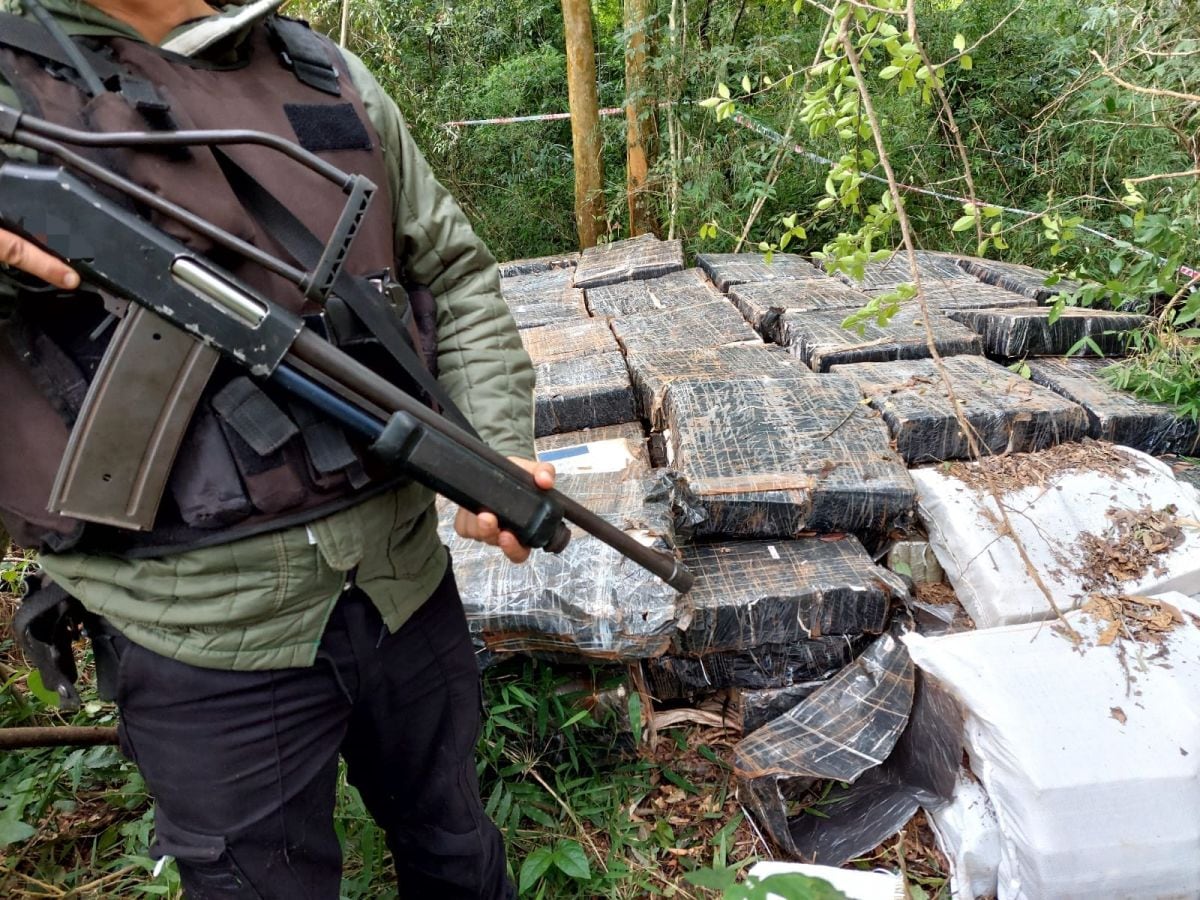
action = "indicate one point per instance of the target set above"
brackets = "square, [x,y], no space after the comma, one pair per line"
[569,340]
[538,264]
[1017,333]
[1017,278]
[537,285]
[1115,415]
[766,667]
[728,269]
[934,268]
[786,457]
[750,593]
[654,372]
[583,392]
[644,256]
[587,602]
[537,310]
[763,303]
[819,339]
[715,324]
[687,287]
[946,295]
[1008,413]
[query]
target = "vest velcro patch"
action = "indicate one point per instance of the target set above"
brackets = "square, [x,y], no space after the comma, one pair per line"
[327,126]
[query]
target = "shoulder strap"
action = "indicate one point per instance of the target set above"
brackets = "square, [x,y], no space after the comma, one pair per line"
[306,54]
[366,303]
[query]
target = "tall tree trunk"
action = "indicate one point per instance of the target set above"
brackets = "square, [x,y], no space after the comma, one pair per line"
[344,32]
[639,117]
[5,541]
[585,121]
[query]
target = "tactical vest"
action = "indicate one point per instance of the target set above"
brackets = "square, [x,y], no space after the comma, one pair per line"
[252,460]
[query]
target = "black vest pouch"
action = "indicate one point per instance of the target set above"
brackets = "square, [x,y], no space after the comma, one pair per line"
[260,436]
[205,483]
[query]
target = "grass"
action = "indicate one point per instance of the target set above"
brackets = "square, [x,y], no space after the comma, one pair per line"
[586,810]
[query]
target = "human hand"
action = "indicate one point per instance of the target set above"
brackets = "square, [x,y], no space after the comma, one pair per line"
[25,257]
[485,527]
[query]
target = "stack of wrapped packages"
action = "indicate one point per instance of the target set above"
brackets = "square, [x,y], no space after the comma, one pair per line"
[723,413]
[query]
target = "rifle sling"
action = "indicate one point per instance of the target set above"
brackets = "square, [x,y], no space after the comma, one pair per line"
[366,303]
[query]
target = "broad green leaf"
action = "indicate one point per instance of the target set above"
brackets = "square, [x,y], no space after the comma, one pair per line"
[887,73]
[723,90]
[746,86]
[713,879]
[12,832]
[38,688]
[960,42]
[963,223]
[710,102]
[534,867]
[572,861]
[966,62]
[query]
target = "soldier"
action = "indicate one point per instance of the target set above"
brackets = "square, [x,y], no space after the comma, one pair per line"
[288,606]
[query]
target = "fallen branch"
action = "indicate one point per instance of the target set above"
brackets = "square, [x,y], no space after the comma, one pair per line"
[56,736]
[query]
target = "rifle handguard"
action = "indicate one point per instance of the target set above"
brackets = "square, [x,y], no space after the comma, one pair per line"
[451,470]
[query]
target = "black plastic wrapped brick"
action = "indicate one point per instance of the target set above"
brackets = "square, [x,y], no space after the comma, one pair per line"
[750,593]
[534,311]
[587,602]
[770,666]
[967,295]
[819,339]
[715,324]
[1115,415]
[728,269]
[763,303]
[640,257]
[654,372]
[568,340]
[1017,278]
[688,287]
[1017,333]
[758,707]
[1008,413]
[783,458]
[583,392]
[538,264]
[888,274]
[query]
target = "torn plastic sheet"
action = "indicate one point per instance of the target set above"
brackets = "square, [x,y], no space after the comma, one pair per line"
[538,264]
[750,593]
[895,742]
[762,304]
[630,260]
[766,667]
[758,707]
[728,269]
[968,835]
[1017,333]
[654,372]
[609,448]
[1115,415]
[553,343]
[888,274]
[587,602]
[678,290]
[781,458]
[945,295]
[1018,278]
[715,324]
[585,392]
[1007,412]
[819,339]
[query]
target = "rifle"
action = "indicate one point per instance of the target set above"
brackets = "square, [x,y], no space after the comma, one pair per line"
[184,312]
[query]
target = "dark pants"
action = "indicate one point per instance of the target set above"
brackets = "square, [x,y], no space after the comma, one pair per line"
[243,765]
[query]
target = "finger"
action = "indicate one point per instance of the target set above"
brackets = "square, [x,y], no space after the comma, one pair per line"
[488,527]
[512,548]
[20,254]
[543,476]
